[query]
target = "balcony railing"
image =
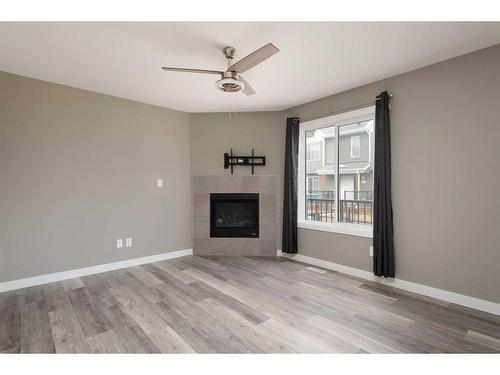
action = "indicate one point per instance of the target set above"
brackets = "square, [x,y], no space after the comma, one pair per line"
[359,212]
[358,195]
[320,206]
[321,194]
[320,209]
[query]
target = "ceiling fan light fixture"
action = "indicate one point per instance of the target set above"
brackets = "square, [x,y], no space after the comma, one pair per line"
[229,85]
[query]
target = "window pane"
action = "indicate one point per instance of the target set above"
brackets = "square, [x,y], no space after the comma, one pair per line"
[320,175]
[356,147]
[314,150]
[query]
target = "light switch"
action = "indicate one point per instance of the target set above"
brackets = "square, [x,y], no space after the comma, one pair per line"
[159,183]
[119,243]
[128,242]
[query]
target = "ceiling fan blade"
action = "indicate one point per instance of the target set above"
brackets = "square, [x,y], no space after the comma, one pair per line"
[187,70]
[254,58]
[248,90]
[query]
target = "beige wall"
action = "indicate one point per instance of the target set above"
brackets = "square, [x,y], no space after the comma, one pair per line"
[2,260]
[445,154]
[78,170]
[213,134]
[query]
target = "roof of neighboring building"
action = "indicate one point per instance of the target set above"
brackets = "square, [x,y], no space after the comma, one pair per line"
[357,167]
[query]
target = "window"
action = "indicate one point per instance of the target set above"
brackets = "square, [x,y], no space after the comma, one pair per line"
[355,146]
[344,204]
[313,151]
[312,185]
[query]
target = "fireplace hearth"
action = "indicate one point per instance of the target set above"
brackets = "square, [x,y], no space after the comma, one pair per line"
[234,215]
[241,222]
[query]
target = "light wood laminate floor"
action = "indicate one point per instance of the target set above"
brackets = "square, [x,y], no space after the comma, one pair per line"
[235,305]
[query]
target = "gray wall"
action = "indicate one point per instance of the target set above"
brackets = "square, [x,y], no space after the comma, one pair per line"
[2,259]
[78,170]
[445,154]
[213,134]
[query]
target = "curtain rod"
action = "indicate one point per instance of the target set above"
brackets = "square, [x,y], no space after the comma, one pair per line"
[343,110]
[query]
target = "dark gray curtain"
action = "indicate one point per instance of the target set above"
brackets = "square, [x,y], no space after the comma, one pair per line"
[383,246]
[289,235]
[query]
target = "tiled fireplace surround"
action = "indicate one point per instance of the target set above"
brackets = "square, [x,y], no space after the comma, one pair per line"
[265,245]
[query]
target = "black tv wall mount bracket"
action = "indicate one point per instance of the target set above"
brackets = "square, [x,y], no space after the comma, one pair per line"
[231,160]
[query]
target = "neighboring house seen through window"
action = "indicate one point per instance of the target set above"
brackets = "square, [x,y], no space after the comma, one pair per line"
[314,151]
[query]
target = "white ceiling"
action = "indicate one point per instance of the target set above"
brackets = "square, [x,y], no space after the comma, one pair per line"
[316,59]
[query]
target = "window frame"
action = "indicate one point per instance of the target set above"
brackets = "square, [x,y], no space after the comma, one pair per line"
[358,138]
[338,120]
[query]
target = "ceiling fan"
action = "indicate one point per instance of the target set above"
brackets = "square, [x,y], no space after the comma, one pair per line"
[231,80]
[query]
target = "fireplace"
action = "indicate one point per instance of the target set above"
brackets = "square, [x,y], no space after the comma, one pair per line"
[234,215]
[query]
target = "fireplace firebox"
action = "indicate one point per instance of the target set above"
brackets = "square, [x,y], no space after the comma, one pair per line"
[234,215]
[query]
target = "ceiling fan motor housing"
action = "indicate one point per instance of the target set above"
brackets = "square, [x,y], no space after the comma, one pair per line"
[230,82]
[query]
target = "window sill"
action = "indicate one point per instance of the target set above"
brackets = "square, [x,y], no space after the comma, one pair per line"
[358,230]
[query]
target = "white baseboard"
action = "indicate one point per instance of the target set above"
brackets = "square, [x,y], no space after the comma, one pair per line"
[444,295]
[71,274]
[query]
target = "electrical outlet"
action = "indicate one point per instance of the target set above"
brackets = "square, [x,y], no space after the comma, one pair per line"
[128,242]
[371,251]
[119,243]
[159,183]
